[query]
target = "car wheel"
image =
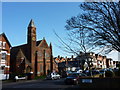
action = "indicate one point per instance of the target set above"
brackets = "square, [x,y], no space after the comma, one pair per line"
[76,82]
[54,78]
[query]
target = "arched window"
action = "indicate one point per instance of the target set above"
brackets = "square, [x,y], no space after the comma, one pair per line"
[28,69]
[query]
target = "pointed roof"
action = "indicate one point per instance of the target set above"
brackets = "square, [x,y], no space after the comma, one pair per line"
[43,43]
[31,24]
[50,44]
[43,38]
[19,53]
[38,42]
[3,34]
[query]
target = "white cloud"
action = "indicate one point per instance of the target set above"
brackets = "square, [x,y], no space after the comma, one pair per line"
[115,55]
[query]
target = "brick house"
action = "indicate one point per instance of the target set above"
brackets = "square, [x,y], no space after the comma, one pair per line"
[4,56]
[96,61]
[34,57]
[99,61]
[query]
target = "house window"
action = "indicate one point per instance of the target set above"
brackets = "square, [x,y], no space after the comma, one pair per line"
[0,44]
[2,67]
[4,45]
[4,56]
[99,62]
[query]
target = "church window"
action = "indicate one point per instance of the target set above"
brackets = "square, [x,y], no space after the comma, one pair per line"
[47,55]
[41,68]
[48,66]
[39,54]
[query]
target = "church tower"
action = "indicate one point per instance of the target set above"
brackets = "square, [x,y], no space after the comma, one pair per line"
[31,41]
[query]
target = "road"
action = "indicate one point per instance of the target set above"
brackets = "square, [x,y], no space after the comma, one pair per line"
[39,84]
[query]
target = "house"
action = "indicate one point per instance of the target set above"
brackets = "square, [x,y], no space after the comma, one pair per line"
[33,57]
[67,64]
[85,61]
[4,56]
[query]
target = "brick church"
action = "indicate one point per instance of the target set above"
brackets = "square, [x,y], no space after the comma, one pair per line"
[34,57]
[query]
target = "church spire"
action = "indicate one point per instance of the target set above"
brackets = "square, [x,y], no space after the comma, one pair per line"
[31,24]
[50,45]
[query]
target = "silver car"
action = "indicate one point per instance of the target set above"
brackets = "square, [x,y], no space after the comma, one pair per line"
[53,76]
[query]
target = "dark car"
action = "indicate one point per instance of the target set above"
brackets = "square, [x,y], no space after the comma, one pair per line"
[64,74]
[73,78]
[115,70]
[88,72]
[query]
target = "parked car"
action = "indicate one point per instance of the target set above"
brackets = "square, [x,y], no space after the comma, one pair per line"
[53,76]
[79,70]
[82,75]
[115,70]
[68,72]
[102,71]
[73,78]
[64,74]
[96,73]
[109,69]
[92,73]
[87,72]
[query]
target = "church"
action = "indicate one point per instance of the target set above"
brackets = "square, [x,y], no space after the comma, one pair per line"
[34,57]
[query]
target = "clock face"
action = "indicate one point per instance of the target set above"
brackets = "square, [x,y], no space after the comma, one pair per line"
[33,38]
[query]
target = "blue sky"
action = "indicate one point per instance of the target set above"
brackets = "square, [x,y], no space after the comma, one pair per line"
[48,16]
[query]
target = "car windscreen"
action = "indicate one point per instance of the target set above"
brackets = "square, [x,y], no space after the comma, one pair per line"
[73,75]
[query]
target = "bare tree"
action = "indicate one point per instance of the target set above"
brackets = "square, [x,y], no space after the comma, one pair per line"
[77,43]
[101,22]
[97,26]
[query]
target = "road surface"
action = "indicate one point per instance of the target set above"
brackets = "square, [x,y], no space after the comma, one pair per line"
[39,84]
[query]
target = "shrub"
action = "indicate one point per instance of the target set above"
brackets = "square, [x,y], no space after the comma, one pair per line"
[40,77]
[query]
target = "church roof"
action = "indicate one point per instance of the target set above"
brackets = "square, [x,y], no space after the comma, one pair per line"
[31,24]
[38,42]
[16,49]
[23,47]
